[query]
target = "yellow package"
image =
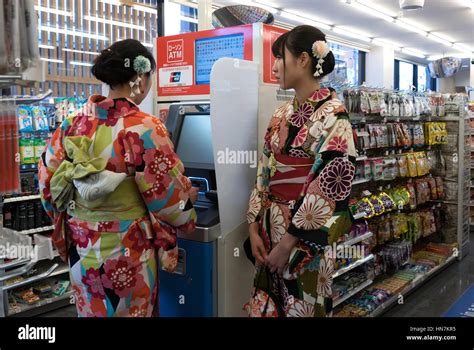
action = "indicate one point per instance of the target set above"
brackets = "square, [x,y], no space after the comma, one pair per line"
[421,163]
[411,162]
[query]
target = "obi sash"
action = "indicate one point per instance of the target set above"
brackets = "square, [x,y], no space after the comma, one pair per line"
[289,176]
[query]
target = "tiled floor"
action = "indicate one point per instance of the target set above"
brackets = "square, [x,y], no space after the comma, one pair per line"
[430,300]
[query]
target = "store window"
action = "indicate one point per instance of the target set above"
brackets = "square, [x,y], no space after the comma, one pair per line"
[180,18]
[405,79]
[348,64]
[422,78]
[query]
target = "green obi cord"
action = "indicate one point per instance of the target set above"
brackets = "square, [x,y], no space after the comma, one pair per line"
[77,150]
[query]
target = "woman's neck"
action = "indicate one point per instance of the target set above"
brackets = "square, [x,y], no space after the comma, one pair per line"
[306,89]
[120,93]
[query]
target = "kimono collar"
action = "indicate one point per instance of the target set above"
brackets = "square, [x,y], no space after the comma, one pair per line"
[103,107]
[303,112]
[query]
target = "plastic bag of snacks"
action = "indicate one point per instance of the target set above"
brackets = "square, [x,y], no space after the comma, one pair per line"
[411,189]
[422,167]
[40,119]
[411,162]
[418,135]
[390,169]
[440,187]
[402,165]
[25,119]
[387,201]
[399,225]
[433,188]
[377,168]
[377,204]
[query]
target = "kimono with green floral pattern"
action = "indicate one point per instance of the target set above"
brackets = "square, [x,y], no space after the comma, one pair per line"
[115,243]
[318,131]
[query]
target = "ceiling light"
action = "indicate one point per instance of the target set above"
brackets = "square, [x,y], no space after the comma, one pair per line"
[440,40]
[147,44]
[81,51]
[381,42]
[412,52]
[410,27]
[73,32]
[76,63]
[351,34]
[117,23]
[51,60]
[303,19]
[371,11]
[53,11]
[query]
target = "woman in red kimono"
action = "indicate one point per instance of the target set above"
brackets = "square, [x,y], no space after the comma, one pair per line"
[299,205]
[115,188]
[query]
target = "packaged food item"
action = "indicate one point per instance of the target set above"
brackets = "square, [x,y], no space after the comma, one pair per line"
[366,207]
[60,287]
[390,169]
[39,147]
[402,165]
[377,205]
[377,168]
[387,201]
[367,169]
[372,135]
[25,119]
[439,187]
[422,167]
[411,190]
[27,152]
[411,163]
[433,188]
[399,225]
[27,296]
[39,118]
[418,135]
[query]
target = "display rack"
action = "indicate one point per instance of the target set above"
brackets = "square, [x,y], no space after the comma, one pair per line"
[458,126]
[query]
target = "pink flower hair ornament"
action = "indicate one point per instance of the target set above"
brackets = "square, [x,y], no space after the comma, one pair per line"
[320,51]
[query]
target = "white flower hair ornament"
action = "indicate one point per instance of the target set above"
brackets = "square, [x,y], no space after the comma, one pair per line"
[141,65]
[320,51]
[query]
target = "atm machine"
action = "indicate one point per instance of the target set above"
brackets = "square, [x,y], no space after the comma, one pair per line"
[216,94]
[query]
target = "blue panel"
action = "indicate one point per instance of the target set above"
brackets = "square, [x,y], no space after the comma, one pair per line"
[191,294]
[464,306]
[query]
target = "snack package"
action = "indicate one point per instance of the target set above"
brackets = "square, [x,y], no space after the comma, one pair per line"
[27,151]
[411,190]
[390,169]
[39,118]
[388,202]
[25,119]
[402,165]
[433,188]
[377,205]
[418,135]
[439,187]
[377,168]
[39,147]
[411,162]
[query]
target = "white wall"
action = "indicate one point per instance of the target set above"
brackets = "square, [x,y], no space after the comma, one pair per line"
[462,78]
[380,67]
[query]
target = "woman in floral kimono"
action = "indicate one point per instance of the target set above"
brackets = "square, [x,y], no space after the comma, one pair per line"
[299,205]
[116,191]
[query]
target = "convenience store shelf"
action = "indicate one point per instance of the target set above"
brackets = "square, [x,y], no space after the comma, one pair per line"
[352,292]
[353,266]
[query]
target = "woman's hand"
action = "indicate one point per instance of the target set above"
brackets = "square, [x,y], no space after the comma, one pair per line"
[193,194]
[258,248]
[277,260]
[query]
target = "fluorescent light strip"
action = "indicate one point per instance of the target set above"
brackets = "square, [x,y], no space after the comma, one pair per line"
[371,11]
[415,53]
[463,48]
[51,60]
[53,11]
[76,63]
[411,28]
[117,23]
[381,42]
[303,19]
[147,44]
[80,51]
[440,40]
[49,47]
[73,32]
[351,34]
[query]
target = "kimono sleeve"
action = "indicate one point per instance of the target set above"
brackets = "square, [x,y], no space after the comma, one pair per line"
[321,215]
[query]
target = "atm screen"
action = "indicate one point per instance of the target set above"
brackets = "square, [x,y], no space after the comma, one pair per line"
[194,146]
[209,50]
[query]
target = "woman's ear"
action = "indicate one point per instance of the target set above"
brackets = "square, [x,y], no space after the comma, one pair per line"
[305,59]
